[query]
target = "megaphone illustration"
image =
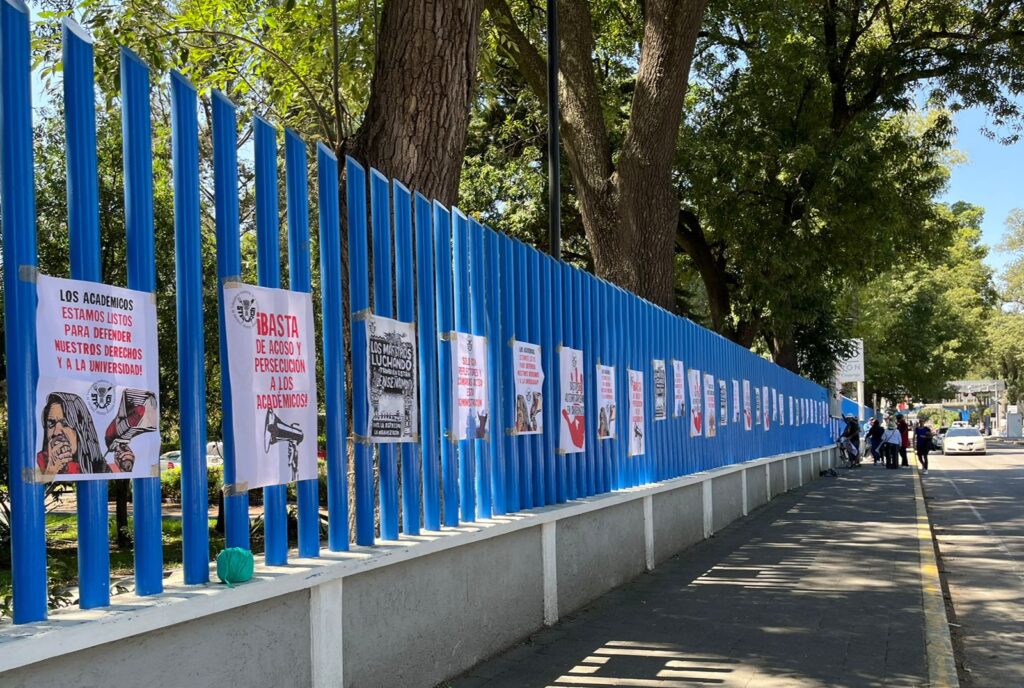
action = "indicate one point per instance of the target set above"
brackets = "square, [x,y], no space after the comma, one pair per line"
[276,430]
[138,414]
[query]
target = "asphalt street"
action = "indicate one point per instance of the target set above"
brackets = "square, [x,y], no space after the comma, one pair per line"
[976,505]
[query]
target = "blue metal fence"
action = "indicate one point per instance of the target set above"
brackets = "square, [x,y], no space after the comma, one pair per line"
[430,264]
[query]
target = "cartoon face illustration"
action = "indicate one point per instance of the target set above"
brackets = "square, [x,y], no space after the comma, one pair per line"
[70,443]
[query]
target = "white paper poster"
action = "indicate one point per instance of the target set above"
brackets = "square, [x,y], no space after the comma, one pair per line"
[782,409]
[735,401]
[637,429]
[747,416]
[723,402]
[696,404]
[572,430]
[606,415]
[392,369]
[710,426]
[272,363]
[792,420]
[765,418]
[471,401]
[678,389]
[757,405]
[528,373]
[775,404]
[660,389]
[98,392]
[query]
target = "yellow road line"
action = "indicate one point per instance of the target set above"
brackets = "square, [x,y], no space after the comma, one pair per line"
[938,644]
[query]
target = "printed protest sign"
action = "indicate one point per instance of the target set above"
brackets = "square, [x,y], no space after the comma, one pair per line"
[572,426]
[747,418]
[757,404]
[775,404]
[471,403]
[272,367]
[678,389]
[392,369]
[792,420]
[696,404]
[528,375]
[766,419]
[606,415]
[782,408]
[710,426]
[660,389]
[98,395]
[723,400]
[735,401]
[637,429]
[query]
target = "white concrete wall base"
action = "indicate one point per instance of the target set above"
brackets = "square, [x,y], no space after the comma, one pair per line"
[487,584]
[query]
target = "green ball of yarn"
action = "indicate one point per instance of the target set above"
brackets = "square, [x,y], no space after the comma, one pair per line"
[234,565]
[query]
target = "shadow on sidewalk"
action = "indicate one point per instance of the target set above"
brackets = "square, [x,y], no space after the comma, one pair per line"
[821,587]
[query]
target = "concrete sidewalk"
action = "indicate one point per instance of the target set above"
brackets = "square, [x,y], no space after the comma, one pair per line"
[821,587]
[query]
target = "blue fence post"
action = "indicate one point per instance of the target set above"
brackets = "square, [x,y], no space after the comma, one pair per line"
[137,143]
[445,325]
[17,175]
[547,342]
[383,298]
[191,376]
[501,375]
[540,458]
[331,278]
[405,284]
[427,340]
[297,198]
[558,340]
[460,271]
[524,448]
[478,298]
[229,267]
[268,256]
[588,340]
[506,250]
[84,230]
[359,302]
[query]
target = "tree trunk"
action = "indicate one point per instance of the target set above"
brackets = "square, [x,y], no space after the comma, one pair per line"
[120,488]
[784,353]
[423,81]
[629,208]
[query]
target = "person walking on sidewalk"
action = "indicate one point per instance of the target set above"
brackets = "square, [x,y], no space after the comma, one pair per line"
[891,445]
[901,425]
[923,445]
[874,437]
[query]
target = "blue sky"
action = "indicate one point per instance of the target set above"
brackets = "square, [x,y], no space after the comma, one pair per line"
[991,177]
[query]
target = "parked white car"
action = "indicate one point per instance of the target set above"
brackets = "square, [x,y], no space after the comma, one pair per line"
[169,460]
[964,441]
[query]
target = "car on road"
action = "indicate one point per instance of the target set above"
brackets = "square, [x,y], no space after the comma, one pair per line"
[169,460]
[964,441]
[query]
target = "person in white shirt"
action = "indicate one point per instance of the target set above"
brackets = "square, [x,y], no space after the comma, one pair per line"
[891,443]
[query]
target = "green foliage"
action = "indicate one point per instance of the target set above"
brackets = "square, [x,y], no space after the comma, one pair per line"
[170,484]
[1005,355]
[925,323]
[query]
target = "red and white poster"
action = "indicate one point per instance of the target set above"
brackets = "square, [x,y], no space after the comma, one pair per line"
[528,374]
[97,397]
[766,418]
[696,404]
[637,428]
[710,424]
[471,404]
[572,426]
[272,366]
[747,416]
[678,389]
[757,405]
[607,417]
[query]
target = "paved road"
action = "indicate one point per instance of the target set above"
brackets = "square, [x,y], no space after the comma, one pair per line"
[822,587]
[977,510]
